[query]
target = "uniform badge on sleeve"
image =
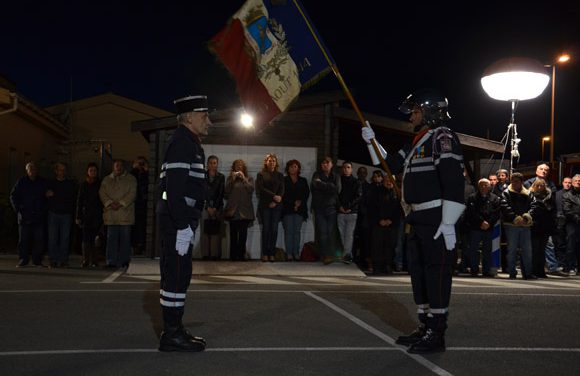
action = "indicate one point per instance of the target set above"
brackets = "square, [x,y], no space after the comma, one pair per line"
[445,144]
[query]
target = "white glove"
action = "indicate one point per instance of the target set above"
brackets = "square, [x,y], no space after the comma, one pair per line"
[367,133]
[448,232]
[183,240]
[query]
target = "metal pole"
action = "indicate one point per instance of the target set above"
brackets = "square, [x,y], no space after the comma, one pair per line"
[552,139]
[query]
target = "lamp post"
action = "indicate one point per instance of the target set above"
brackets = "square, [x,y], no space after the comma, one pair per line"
[561,59]
[544,139]
[514,79]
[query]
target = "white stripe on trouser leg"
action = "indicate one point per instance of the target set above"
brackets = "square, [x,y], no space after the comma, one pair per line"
[167,303]
[439,311]
[422,308]
[169,294]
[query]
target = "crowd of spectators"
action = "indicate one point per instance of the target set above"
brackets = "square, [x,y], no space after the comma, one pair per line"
[51,212]
[354,219]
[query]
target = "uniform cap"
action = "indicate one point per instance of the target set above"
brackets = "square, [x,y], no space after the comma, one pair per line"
[192,103]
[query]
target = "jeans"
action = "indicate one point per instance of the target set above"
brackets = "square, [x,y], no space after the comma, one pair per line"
[551,260]
[59,228]
[346,226]
[325,221]
[519,237]
[118,245]
[292,225]
[475,237]
[270,219]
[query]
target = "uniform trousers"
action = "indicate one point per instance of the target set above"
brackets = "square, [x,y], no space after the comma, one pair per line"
[175,274]
[430,266]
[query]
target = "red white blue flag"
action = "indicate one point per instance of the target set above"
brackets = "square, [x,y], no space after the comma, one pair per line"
[270,49]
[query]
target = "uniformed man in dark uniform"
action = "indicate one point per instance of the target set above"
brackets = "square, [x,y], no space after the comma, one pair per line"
[433,185]
[183,192]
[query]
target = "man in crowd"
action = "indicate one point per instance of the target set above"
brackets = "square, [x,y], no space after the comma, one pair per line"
[61,198]
[516,205]
[325,185]
[482,213]
[140,171]
[29,203]
[556,256]
[117,193]
[571,210]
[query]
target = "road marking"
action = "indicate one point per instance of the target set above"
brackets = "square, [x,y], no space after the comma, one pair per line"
[116,274]
[256,280]
[530,349]
[419,359]
[279,349]
[340,281]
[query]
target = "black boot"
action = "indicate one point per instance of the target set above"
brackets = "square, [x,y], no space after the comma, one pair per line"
[412,338]
[431,342]
[179,339]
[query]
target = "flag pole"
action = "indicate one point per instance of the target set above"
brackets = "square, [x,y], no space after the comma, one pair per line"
[348,95]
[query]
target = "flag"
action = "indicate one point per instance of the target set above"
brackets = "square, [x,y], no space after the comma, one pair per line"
[272,54]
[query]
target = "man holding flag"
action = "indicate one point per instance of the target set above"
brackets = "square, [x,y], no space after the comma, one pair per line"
[432,198]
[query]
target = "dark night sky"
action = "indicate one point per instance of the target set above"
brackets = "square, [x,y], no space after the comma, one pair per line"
[156,51]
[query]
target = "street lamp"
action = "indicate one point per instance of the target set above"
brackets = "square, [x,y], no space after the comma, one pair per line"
[514,79]
[544,139]
[561,59]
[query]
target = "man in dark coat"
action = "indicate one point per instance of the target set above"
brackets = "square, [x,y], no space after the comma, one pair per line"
[28,199]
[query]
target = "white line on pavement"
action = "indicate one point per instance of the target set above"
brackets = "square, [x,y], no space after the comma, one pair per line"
[267,349]
[116,274]
[419,359]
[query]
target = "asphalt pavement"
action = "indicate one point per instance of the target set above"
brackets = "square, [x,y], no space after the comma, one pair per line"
[279,319]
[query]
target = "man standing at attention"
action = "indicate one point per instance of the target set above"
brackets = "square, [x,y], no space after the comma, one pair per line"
[433,200]
[183,188]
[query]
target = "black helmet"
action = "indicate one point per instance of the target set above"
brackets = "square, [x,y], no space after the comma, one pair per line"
[431,102]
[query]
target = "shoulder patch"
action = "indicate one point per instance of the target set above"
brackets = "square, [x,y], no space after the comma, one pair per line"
[442,140]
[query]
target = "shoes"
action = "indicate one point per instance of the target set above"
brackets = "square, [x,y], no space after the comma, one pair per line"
[558,273]
[412,338]
[179,339]
[40,265]
[530,277]
[431,342]
[512,276]
[542,275]
[21,263]
[474,273]
[488,275]
[347,259]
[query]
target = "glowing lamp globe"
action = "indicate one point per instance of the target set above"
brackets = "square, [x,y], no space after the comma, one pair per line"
[515,79]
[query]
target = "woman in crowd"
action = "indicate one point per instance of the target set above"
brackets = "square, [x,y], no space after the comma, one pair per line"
[89,215]
[544,216]
[211,240]
[239,210]
[269,190]
[294,209]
